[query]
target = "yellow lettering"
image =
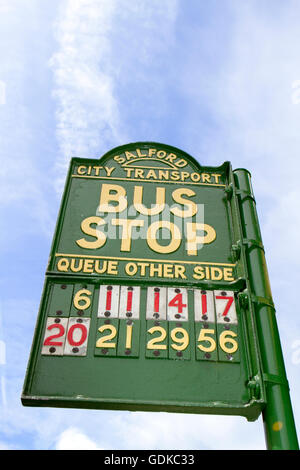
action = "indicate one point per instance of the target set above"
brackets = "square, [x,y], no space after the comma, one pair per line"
[119,159]
[63,265]
[109,170]
[198,273]
[112,193]
[152,152]
[175,237]
[216,274]
[191,206]
[81,170]
[131,269]
[127,225]
[129,155]
[139,154]
[195,177]
[205,178]
[184,175]
[228,276]
[143,267]
[216,176]
[163,174]
[168,270]
[155,208]
[73,266]
[151,174]
[161,154]
[93,232]
[97,169]
[88,266]
[97,266]
[193,240]
[181,163]
[156,269]
[171,157]
[180,271]
[139,173]
[175,175]
[128,171]
[112,268]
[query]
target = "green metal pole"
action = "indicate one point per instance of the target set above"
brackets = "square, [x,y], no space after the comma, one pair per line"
[279,425]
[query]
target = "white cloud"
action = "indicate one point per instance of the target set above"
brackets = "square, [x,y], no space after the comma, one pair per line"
[101,46]
[248,90]
[183,431]
[74,439]
[23,183]
[87,112]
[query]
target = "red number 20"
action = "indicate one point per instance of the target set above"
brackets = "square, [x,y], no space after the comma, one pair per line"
[48,341]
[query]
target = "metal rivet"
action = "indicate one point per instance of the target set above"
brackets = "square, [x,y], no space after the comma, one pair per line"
[226,327]
[179,354]
[177,291]
[75,350]
[203,292]
[127,352]
[107,314]
[156,289]
[207,355]
[223,293]
[156,323]
[52,349]
[63,286]
[128,314]
[79,320]
[156,315]
[205,325]
[226,319]
[107,322]
[80,312]
[130,288]
[204,317]
[156,352]
[177,315]
[109,287]
[129,322]
[58,312]
[57,320]
[229,357]
[178,324]
[104,351]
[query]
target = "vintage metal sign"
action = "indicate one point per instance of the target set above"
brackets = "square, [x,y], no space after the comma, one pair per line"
[146,299]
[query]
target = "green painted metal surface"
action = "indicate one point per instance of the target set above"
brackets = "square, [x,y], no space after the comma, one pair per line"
[278,417]
[193,240]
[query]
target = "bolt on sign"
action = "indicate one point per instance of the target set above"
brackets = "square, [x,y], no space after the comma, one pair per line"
[147,302]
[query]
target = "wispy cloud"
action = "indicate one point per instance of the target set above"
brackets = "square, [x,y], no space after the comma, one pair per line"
[101,46]
[23,183]
[87,111]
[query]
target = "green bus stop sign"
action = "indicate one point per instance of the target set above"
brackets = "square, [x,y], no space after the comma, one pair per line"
[149,300]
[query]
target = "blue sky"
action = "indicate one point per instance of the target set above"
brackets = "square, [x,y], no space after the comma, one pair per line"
[221,81]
